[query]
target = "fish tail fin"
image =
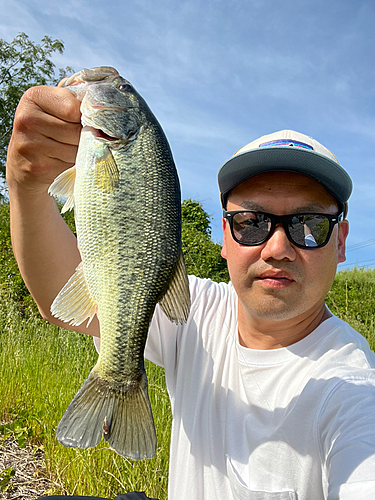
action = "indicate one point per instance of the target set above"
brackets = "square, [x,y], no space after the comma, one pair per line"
[123,417]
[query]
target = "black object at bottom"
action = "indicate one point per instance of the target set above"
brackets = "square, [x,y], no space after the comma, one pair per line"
[134,495]
[65,497]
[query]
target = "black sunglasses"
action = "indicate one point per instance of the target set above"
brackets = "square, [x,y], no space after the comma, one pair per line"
[303,230]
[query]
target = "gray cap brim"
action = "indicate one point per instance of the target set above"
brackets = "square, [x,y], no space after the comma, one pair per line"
[244,165]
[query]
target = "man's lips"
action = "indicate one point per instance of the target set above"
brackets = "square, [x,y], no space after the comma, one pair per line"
[275,279]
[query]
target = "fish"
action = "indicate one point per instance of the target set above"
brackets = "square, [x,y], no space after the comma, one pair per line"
[125,191]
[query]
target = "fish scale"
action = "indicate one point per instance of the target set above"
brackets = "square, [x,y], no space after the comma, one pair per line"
[126,195]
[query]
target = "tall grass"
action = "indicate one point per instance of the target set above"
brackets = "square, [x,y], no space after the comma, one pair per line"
[41,369]
[352,298]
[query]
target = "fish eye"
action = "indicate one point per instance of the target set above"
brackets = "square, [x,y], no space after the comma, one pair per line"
[124,87]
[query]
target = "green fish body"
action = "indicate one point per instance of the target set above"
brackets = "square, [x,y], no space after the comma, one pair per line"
[126,196]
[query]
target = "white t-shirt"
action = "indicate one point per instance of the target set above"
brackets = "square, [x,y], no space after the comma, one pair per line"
[284,424]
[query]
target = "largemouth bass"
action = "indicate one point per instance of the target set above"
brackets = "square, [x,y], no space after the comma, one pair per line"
[126,196]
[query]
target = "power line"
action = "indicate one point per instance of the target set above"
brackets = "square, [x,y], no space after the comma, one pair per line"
[361,244]
[356,263]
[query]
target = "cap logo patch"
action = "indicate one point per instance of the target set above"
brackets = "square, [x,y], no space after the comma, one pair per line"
[286,142]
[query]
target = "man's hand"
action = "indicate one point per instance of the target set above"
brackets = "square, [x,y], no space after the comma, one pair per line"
[45,137]
[44,143]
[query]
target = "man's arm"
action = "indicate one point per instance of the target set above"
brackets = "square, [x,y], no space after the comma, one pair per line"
[44,143]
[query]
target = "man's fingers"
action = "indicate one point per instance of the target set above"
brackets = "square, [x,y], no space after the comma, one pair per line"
[44,149]
[40,170]
[44,124]
[45,138]
[49,112]
[55,101]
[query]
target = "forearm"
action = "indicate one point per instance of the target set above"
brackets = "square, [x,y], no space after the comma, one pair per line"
[45,249]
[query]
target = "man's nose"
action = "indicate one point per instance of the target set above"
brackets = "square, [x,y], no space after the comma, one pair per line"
[278,247]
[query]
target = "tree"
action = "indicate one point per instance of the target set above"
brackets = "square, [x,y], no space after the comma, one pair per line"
[23,64]
[202,256]
[195,216]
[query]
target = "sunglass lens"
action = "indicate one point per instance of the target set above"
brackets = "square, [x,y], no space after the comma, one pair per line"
[309,230]
[251,228]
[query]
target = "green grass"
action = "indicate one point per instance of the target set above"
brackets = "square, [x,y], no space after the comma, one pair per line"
[352,298]
[41,369]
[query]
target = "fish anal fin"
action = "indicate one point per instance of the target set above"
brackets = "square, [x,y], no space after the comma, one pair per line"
[122,416]
[107,175]
[176,302]
[74,303]
[63,186]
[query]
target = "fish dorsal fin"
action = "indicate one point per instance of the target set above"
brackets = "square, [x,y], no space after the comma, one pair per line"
[74,304]
[63,186]
[176,301]
[107,175]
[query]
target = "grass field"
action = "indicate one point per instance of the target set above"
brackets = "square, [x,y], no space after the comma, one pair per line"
[41,368]
[352,298]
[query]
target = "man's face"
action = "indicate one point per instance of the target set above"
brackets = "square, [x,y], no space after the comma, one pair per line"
[277,280]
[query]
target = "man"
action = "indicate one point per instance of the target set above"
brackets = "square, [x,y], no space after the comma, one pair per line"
[273,397]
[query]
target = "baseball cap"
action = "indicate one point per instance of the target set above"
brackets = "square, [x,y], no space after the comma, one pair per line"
[289,151]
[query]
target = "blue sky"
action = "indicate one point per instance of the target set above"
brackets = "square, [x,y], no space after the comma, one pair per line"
[220,73]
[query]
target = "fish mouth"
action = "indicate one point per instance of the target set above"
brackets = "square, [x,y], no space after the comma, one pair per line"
[100,134]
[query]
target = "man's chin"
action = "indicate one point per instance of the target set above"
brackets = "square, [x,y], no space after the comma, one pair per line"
[274,309]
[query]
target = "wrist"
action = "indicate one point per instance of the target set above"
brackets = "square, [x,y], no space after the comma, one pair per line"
[23,183]
[29,200]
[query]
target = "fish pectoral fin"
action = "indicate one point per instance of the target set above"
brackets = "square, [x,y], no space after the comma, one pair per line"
[107,175]
[74,303]
[122,415]
[63,186]
[176,302]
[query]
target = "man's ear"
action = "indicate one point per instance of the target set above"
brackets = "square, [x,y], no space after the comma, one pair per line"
[224,247]
[343,234]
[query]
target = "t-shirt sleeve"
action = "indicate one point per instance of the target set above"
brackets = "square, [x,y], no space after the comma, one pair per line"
[162,340]
[347,431]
